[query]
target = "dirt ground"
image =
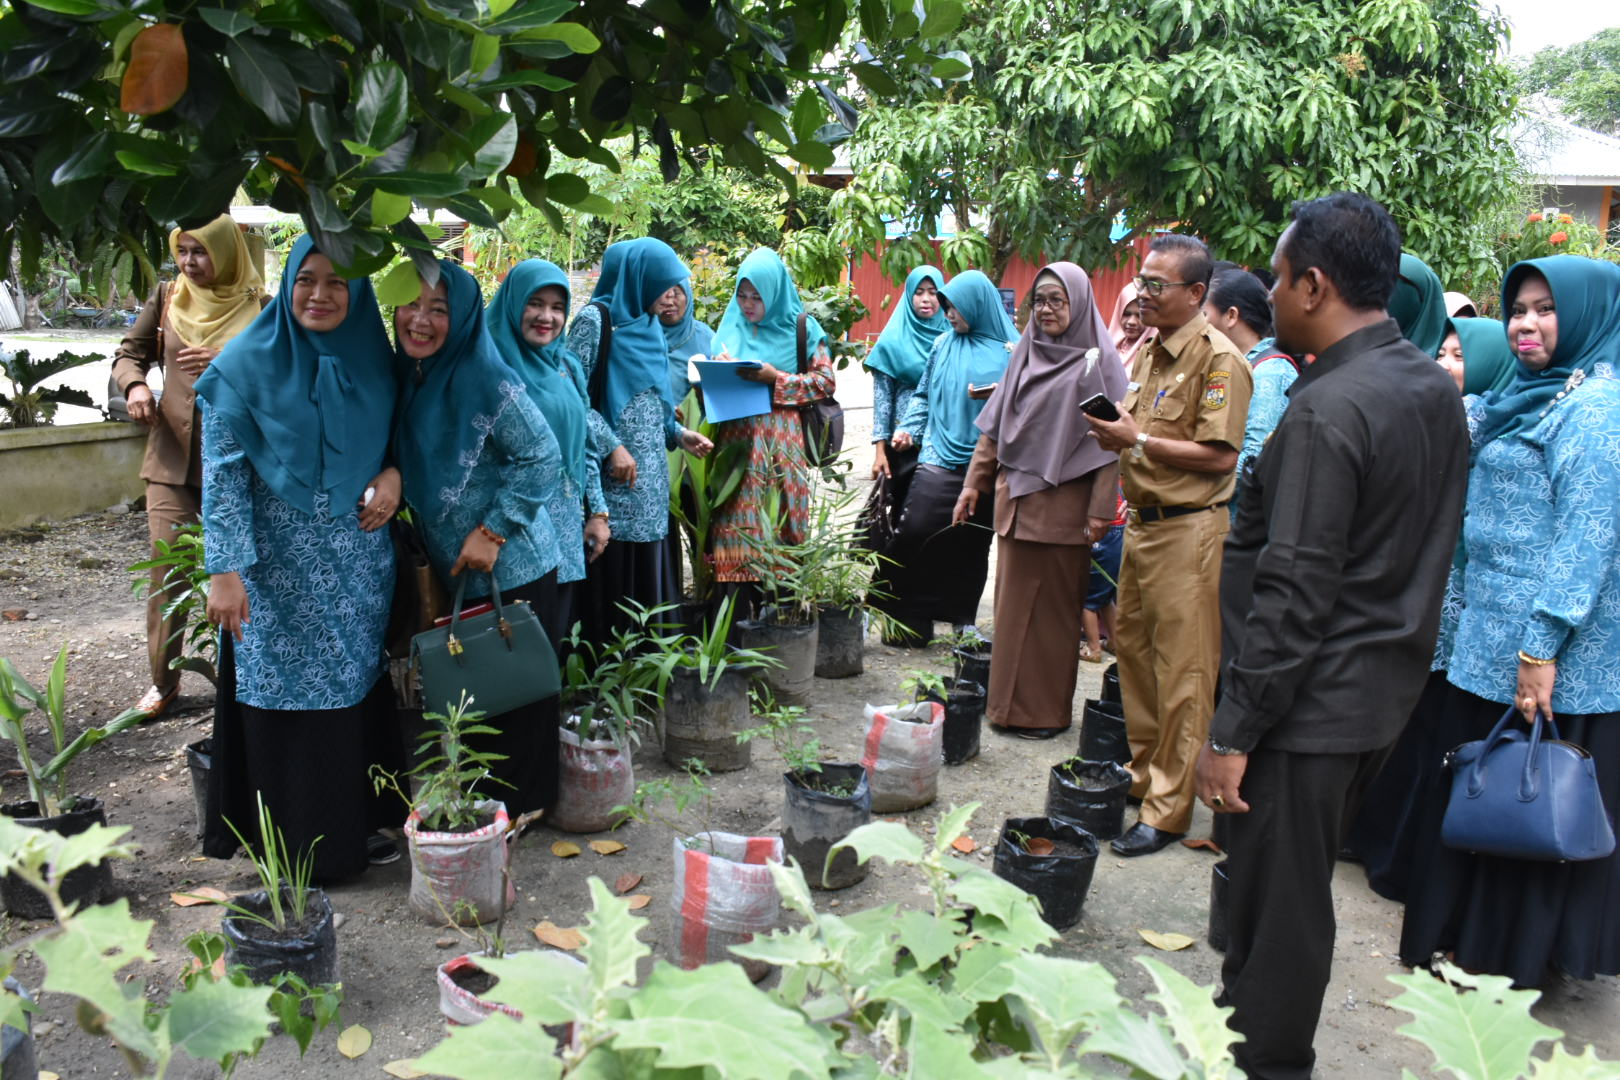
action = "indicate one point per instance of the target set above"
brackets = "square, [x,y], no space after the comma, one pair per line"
[69,577]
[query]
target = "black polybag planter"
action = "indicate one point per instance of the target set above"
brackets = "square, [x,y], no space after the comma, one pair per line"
[1060,880]
[311,954]
[840,643]
[199,760]
[972,663]
[1089,794]
[1102,733]
[794,644]
[1110,687]
[814,821]
[702,723]
[964,715]
[85,886]
[1219,883]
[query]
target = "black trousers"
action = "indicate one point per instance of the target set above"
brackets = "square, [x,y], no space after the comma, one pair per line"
[1280,923]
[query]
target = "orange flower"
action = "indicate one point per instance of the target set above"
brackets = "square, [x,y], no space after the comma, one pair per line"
[1558,237]
[1567,219]
[1533,218]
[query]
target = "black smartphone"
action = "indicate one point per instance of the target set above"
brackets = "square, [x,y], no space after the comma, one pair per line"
[1099,406]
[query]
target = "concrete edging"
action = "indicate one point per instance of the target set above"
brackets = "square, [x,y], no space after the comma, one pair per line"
[52,473]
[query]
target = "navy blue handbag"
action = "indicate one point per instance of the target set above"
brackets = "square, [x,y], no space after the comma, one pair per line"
[1526,797]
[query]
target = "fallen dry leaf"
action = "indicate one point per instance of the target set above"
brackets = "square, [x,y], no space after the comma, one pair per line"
[205,895]
[404,1069]
[1039,845]
[564,849]
[354,1041]
[1166,942]
[1204,842]
[626,882]
[46,1074]
[606,847]
[638,901]
[559,937]
[965,844]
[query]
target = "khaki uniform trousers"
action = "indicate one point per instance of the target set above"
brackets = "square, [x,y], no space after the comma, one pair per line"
[1169,652]
[168,506]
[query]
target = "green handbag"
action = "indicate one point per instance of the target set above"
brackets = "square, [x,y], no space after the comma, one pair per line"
[500,659]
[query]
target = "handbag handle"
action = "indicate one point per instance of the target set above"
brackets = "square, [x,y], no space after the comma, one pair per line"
[451,642]
[1530,781]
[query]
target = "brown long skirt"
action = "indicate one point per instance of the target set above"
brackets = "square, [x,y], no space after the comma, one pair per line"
[1040,589]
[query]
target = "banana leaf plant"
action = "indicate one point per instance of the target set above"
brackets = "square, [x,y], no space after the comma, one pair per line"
[31,405]
[47,784]
[698,488]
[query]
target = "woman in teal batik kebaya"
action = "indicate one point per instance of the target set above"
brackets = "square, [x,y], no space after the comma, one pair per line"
[296,412]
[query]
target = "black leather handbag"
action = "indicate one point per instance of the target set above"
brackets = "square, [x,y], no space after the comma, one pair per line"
[1526,797]
[501,659]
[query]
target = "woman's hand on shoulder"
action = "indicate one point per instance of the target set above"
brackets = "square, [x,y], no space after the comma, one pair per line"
[385,488]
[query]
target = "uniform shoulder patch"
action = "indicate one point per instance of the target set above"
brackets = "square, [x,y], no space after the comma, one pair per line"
[1215,389]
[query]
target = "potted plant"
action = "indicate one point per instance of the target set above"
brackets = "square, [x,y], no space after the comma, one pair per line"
[456,833]
[970,653]
[704,683]
[182,559]
[49,805]
[902,747]
[1051,860]
[607,696]
[1090,795]
[724,892]
[964,711]
[286,926]
[823,803]
[698,487]
[787,622]
[839,570]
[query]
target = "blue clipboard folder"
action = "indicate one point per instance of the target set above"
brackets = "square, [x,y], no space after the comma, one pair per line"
[729,396]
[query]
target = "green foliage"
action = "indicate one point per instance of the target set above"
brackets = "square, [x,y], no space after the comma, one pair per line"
[284,874]
[48,784]
[1209,115]
[789,729]
[208,1017]
[1480,1028]
[837,308]
[1539,235]
[707,654]
[611,683]
[119,120]
[1584,78]
[923,685]
[186,605]
[302,1010]
[31,405]
[448,772]
[828,568]
[698,488]
[667,801]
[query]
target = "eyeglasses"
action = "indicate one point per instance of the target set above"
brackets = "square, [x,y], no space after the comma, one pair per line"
[1155,288]
[1050,303]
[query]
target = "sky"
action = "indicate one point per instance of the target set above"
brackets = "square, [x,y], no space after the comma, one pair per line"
[1540,23]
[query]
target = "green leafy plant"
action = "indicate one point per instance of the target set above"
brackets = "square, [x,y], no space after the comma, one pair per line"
[707,654]
[923,685]
[29,404]
[48,784]
[698,488]
[208,1017]
[284,874]
[182,560]
[448,772]
[301,1009]
[670,803]
[789,730]
[611,684]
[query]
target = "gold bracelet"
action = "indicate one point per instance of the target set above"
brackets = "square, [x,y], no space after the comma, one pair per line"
[490,534]
[603,514]
[1536,660]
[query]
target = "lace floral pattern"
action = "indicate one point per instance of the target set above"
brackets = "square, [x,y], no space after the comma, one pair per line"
[1542,534]
[889,398]
[318,587]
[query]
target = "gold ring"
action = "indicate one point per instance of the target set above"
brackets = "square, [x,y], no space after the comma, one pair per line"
[1529,702]
[1217,800]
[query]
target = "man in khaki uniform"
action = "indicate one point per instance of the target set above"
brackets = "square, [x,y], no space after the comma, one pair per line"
[1179,435]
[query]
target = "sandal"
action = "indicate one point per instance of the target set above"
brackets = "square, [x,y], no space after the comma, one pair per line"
[1090,657]
[154,703]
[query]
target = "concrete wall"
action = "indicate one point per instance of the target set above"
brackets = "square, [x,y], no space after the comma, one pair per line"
[51,473]
[1581,202]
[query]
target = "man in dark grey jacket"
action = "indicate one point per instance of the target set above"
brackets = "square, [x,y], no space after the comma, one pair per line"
[1330,601]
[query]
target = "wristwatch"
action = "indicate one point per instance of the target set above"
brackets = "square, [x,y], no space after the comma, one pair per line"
[1222,750]
[1140,449]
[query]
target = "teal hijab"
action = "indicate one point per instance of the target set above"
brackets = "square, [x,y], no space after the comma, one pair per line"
[1586,294]
[686,339]
[635,273]
[448,409]
[901,351]
[774,339]
[975,358]
[1419,305]
[550,373]
[311,410]
[1488,362]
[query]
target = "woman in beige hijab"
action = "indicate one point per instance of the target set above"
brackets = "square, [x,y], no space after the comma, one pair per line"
[1127,330]
[218,292]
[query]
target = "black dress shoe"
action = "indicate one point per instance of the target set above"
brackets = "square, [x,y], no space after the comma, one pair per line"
[1028,733]
[1144,840]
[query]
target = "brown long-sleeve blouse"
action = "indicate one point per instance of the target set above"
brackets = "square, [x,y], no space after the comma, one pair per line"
[1055,515]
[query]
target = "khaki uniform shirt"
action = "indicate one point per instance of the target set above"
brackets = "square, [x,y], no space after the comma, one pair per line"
[1193,385]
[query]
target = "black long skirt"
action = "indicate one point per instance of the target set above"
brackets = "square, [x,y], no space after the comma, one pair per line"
[310,765]
[1514,917]
[626,570]
[527,736]
[1384,833]
[939,569]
